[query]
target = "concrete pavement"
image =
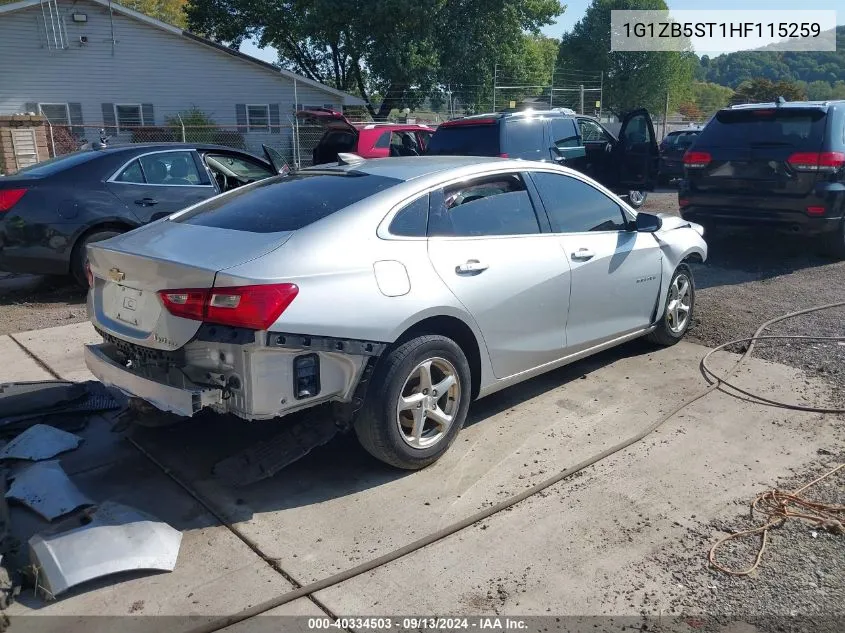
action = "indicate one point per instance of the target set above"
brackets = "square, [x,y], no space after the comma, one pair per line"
[585,546]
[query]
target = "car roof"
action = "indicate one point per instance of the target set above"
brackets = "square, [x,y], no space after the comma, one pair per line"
[411,167]
[786,104]
[554,113]
[128,147]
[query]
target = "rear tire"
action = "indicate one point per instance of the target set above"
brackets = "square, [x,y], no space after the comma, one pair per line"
[406,422]
[677,310]
[79,257]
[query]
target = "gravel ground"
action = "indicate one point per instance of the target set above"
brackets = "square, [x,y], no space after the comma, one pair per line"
[32,303]
[800,583]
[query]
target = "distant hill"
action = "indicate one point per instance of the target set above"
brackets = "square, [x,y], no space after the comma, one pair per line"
[734,68]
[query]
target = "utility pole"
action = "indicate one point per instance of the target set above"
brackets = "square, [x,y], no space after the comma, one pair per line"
[495,76]
[665,115]
[601,94]
[582,98]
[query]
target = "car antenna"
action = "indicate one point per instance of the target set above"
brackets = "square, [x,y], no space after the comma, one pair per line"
[344,158]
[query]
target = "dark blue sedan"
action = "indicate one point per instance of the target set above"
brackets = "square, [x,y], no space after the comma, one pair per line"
[50,211]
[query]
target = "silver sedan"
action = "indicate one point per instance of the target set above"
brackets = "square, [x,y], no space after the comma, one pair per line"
[398,289]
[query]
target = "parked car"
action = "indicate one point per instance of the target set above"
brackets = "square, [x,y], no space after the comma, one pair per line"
[626,164]
[50,211]
[407,287]
[672,149]
[771,165]
[368,140]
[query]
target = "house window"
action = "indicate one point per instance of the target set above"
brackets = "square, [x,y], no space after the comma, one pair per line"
[128,116]
[56,113]
[258,117]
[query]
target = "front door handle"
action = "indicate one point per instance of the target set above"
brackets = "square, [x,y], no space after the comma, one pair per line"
[583,254]
[471,267]
[146,202]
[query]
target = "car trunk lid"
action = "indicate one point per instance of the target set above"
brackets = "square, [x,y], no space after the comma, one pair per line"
[130,269]
[327,118]
[754,152]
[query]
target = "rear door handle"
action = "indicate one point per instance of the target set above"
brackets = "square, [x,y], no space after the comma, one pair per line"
[146,202]
[471,267]
[583,254]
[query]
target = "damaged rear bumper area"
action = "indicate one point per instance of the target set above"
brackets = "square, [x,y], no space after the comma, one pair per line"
[253,375]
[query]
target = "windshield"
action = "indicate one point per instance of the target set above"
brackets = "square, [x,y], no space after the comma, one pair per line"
[286,203]
[465,140]
[771,127]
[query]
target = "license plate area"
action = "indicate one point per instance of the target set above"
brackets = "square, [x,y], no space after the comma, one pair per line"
[131,306]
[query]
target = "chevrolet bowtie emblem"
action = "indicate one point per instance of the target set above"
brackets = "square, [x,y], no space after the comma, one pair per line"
[115,274]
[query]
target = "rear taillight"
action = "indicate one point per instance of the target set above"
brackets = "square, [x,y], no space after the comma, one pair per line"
[815,210]
[89,275]
[503,155]
[9,198]
[697,160]
[253,307]
[816,161]
[683,202]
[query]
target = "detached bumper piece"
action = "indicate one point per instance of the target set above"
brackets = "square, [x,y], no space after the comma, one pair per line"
[109,539]
[185,401]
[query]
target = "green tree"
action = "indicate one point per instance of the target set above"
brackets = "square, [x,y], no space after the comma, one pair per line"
[393,47]
[632,79]
[710,97]
[761,90]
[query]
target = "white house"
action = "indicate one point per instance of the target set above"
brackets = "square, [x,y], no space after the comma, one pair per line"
[92,63]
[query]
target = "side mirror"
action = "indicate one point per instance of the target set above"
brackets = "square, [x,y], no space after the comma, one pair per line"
[648,223]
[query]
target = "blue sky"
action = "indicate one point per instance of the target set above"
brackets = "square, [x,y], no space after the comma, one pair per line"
[576,8]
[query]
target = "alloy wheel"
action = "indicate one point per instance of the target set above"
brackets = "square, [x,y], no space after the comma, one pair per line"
[428,403]
[636,197]
[679,303]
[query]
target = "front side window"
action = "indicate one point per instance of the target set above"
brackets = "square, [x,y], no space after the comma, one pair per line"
[170,168]
[576,207]
[258,118]
[128,116]
[494,205]
[592,131]
[56,113]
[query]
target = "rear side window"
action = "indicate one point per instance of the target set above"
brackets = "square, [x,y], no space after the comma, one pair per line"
[287,203]
[525,139]
[801,128]
[495,205]
[412,220]
[465,140]
[564,133]
[576,207]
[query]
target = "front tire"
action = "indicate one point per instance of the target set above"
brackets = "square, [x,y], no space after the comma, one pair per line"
[636,198]
[678,309]
[417,403]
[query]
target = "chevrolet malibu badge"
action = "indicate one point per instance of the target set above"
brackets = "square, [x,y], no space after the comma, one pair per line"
[115,274]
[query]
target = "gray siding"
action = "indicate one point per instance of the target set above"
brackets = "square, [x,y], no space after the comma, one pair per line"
[147,65]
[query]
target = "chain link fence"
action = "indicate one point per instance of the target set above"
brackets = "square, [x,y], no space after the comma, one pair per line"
[293,140]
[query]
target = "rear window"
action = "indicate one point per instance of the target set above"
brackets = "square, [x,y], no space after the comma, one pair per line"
[287,203]
[54,165]
[465,140]
[792,127]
